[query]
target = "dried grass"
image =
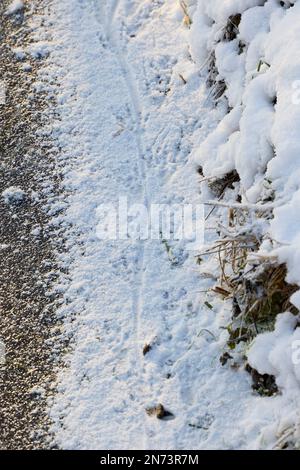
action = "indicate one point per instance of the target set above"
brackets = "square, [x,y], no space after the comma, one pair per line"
[187,21]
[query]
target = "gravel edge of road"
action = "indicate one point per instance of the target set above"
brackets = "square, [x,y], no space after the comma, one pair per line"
[29,266]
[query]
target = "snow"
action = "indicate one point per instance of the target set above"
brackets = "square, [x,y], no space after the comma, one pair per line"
[129,125]
[272,352]
[15,7]
[19,53]
[277,353]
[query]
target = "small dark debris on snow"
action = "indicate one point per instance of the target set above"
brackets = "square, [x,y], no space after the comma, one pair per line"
[208,305]
[160,412]
[265,385]
[200,171]
[225,358]
[14,195]
[219,185]
[232,28]
[202,422]
[147,348]
[183,79]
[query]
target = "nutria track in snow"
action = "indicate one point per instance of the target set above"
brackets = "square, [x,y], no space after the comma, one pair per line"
[27,243]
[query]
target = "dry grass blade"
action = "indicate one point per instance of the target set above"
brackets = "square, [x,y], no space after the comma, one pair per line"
[187,19]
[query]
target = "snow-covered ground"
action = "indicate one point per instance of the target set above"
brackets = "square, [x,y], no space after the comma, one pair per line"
[135,118]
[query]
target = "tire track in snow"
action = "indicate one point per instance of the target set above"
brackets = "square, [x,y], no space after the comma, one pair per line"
[138,302]
[136,113]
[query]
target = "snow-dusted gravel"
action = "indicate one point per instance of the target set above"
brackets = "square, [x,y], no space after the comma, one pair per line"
[28,182]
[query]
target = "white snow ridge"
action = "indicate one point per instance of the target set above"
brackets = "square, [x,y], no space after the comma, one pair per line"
[15,7]
[189,103]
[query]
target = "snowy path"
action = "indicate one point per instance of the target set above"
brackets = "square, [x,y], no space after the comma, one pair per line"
[126,129]
[107,21]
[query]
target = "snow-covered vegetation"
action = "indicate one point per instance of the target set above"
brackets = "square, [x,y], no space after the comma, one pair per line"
[250,53]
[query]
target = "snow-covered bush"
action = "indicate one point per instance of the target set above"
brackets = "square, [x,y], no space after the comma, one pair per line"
[250,51]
